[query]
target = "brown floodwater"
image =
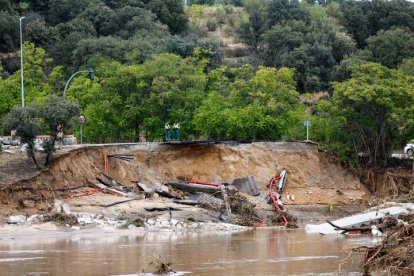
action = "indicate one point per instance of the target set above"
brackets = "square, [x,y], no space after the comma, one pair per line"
[256,252]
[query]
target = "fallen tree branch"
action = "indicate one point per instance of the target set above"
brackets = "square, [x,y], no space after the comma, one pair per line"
[348,229]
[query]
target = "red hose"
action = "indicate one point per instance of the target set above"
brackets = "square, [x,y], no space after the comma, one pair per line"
[272,196]
[86,192]
[203,183]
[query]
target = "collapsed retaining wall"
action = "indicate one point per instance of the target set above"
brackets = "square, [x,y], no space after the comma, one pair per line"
[314,176]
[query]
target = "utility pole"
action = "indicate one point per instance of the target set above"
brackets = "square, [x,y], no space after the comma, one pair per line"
[21,58]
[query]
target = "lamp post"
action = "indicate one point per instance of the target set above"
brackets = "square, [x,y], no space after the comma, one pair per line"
[21,58]
[90,76]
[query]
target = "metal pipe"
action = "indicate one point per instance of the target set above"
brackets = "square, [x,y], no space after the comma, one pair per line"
[21,58]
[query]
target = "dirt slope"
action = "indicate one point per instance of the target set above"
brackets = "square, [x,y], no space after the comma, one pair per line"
[314,176]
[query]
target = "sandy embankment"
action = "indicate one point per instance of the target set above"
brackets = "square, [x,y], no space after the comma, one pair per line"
[315,180]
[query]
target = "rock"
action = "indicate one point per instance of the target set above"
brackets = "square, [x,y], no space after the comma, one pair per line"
[151,221]
[292,197]
[174,221]
[35,218]
[61,207]
[75,227]
[28,203]
[16,219]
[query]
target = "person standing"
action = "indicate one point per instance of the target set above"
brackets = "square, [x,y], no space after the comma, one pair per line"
[167,131]
[176,129]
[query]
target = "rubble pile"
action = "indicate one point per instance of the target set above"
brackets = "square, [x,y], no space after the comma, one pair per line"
[395,254]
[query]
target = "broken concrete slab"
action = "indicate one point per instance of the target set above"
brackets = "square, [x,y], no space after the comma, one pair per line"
[358,220]
[246,185]
[154,188]
[16,219]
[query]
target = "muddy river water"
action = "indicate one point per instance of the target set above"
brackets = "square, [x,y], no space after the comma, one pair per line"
[256,252]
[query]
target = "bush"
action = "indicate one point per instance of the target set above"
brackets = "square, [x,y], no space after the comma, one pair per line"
[212,25]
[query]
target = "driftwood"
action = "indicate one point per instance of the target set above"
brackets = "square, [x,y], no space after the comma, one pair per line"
[193,188]
[119,202]
[153,209]
[349,229]
[186,202]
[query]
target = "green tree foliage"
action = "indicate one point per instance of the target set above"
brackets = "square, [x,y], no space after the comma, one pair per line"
[27,126]
[171,13]
[248,106]
[390,47]
[377,110]
[65,10]
[365,18]
[313,65]
[407,67]
[251,32]
[9,35]
[283,10]
[39,33]
[282,39]
[10,95]
[57,115]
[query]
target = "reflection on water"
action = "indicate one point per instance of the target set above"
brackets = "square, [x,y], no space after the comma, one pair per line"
[260,252]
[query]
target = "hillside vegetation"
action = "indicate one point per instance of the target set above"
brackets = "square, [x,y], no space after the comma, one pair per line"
[229,70]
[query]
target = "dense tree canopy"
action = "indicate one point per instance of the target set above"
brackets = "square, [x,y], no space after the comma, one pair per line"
[228,69]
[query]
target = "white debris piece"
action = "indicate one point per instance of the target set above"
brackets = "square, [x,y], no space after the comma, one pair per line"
[356,220]
[16,219]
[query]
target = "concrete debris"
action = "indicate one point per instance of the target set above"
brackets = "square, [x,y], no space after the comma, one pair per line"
[16,219]
[359,220]
[60,207]
[246,185]
[150,189]
[35,219]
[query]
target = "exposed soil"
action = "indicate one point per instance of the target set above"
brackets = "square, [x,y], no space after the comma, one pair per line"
[315,179]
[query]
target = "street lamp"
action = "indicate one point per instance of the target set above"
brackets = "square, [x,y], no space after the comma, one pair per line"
[90,76]
[21,57]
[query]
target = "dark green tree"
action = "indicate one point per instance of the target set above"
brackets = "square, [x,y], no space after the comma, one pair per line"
[376,105]
[313,66]
[391,47]
[282,10]
[171,13]
[57,115]
[251,31]
[27,125]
